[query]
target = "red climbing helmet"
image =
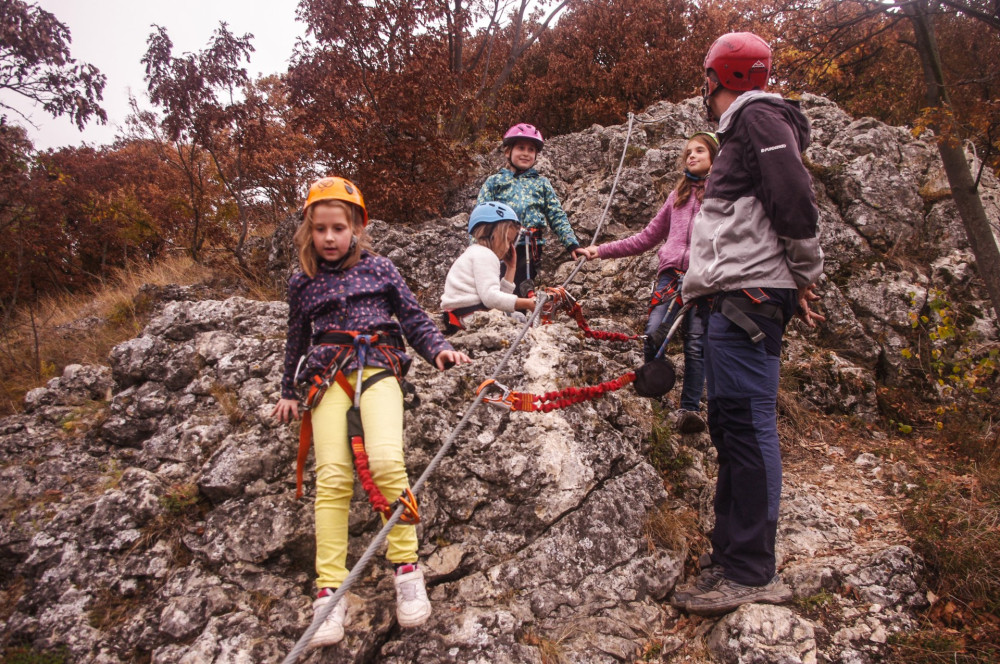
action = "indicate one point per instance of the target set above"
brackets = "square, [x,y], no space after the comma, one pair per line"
[526,132]
[741,60]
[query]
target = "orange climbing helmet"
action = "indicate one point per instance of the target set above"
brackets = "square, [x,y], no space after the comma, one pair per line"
[336,189]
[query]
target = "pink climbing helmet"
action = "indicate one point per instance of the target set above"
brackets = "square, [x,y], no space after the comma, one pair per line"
[523,132]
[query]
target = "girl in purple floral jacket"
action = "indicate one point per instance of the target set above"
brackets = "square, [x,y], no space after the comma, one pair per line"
[344,288]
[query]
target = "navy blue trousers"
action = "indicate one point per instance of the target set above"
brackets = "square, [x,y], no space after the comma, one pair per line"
[742,420]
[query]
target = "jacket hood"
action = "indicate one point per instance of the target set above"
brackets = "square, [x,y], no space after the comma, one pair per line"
[789,107]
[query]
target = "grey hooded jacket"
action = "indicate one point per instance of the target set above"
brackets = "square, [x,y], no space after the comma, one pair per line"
[757,225]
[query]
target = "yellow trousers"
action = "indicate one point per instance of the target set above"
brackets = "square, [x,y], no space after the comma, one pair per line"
[382,418]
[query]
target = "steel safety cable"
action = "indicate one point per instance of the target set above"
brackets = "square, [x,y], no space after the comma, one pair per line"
[369,553]
[362,564]
[607,204]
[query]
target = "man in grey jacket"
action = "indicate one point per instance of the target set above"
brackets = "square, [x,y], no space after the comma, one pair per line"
[756,255]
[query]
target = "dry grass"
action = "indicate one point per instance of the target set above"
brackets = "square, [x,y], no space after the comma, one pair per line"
[670,528]
[110,609]
[953,517]
[550,650]
[228,401]
[81,328]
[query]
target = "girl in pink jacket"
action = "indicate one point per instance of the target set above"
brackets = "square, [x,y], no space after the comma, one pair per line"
[672,226]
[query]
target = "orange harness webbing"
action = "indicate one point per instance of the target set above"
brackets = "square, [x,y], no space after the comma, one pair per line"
[665,294]
[355,432]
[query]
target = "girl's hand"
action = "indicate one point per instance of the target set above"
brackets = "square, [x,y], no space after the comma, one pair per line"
[449,358]
[510,260]
[807,295]
[590,252]
[286,410]
[525,304]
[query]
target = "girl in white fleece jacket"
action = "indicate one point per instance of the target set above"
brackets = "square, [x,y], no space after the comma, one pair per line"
[473,282]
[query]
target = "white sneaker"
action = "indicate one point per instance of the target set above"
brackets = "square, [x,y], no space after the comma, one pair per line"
[412,606]
[332,629]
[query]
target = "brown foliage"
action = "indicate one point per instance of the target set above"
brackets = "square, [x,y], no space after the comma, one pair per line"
[862,55]
[35,62]
[609,57]
[373,91]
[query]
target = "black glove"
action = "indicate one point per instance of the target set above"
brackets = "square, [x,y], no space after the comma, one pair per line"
[658,336]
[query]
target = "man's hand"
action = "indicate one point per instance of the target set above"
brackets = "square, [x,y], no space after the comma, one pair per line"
[807,295]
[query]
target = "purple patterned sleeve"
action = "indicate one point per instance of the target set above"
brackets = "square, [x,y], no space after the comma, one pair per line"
[418,328]
[299,333]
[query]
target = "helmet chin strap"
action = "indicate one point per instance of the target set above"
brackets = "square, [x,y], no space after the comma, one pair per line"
[707,90]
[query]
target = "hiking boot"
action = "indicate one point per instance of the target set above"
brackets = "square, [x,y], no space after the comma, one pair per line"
[708,579]
[729,595]
[332,629]
[412,606]
[688,421]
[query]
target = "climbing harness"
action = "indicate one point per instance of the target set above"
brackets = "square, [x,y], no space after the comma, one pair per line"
[453,319]
[353,345]
[362,564]
[670,291]
[756,302]
[529,240]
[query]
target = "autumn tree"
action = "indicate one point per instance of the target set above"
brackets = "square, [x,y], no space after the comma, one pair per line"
[394,92]
[606,58]
[35,63]
[190,195]
[198,94]
[16,211]
[278,160]
[861,46]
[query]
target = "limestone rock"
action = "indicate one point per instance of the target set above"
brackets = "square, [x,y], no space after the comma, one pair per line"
[151,501]
[763,634]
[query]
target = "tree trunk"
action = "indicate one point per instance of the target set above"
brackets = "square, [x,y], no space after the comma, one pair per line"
[956,167]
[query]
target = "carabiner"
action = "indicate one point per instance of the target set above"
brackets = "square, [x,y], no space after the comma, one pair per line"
[491,384]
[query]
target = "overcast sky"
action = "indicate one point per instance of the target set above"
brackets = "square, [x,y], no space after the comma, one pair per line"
[111,34]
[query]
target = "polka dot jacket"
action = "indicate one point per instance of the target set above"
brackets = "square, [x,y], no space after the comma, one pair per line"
[363,298]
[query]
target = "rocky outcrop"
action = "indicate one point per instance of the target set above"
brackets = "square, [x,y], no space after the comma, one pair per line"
[149,505]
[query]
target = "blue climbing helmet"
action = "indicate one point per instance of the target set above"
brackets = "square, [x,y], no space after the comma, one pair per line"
[491,213]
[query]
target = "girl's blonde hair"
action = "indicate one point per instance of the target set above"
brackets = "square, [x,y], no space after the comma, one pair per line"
[494,236]
[683,186]
[308,258]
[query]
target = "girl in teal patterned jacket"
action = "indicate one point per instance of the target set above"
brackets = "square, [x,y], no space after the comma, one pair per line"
[532,197]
